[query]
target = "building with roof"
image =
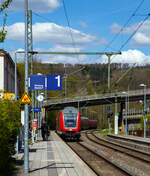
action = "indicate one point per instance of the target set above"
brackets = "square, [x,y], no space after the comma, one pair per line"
[7,73]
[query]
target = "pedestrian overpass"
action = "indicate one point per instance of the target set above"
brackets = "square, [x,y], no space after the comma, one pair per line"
[97,99]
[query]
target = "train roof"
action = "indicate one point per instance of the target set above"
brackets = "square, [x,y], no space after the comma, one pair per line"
[83,117]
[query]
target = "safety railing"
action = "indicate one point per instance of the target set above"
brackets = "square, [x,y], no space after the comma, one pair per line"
[96,96]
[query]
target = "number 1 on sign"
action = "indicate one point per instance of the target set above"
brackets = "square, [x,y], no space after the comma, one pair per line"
[58,80]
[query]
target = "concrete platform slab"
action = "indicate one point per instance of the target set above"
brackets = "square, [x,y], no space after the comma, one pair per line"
[54,158]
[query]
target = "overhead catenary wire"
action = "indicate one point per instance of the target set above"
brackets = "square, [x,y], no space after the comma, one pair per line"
[44,18]
[134,32]
[123,27]
[70,31]
[123,45]
[68,23]
[138,27]
[69,26]
[126,23]
[130,37]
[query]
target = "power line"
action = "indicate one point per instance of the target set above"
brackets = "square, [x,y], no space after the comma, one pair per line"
[68,22]
[69,26]
[134,32]
[46,19]
[122,46]
[133,14]
[138,27]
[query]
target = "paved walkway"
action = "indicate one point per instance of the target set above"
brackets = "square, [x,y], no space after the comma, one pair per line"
[54,158]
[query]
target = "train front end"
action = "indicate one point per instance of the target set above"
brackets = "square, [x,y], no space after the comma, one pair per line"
[71,123]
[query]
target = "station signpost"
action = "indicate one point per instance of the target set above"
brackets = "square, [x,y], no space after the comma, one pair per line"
[54,82]
[37,82]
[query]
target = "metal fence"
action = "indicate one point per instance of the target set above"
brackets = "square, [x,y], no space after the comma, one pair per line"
[96,96]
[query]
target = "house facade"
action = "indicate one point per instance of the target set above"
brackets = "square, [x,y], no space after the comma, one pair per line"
[7,73]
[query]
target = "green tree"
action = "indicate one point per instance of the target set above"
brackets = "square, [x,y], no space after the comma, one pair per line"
[3,32]
[9,124]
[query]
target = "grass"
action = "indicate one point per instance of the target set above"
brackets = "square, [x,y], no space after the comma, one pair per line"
[104,133]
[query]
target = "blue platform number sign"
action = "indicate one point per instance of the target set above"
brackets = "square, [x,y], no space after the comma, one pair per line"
[54,82]
[37,82]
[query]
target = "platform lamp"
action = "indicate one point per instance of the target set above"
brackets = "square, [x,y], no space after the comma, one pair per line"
[145,109]
[126,122]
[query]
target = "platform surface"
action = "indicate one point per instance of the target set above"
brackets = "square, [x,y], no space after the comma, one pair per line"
[133,138]
[55,158]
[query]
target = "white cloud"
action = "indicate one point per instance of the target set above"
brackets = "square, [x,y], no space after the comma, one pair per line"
[53,34]
[15,32]
[130,56]
[53,58]
[140,39]
[66,48]
[116,28]
[58,38]
[82,59]
[72,59]
[35,5]
[142,36]
[83,24]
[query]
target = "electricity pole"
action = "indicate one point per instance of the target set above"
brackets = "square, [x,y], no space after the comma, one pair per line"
[108,55]
[30,46]
[26,127]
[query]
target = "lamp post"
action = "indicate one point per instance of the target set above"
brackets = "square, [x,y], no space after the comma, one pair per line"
[39,98]
[145,109]
[126,122]
[65,77]
[15,76]
[116,116]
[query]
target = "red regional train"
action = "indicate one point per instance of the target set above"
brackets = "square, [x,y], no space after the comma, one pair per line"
[88,124]
[68,123]
[92,124]
[84,123]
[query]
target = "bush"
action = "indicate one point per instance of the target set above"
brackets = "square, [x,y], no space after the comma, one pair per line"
[9,128]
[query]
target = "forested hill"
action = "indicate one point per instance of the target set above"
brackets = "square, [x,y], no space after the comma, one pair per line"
[91,78]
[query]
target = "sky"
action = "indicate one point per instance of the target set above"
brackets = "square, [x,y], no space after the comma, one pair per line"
[82,26]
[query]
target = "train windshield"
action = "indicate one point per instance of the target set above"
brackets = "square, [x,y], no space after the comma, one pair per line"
[70,117]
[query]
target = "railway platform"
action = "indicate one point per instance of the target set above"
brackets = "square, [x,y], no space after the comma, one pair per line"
[54,158]
[138,143]
[140,140]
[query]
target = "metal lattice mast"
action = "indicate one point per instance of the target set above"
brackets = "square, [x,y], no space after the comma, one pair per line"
[26,126]
[30,48]
[30,43]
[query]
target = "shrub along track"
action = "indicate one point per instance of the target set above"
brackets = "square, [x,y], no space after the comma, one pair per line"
[133,161]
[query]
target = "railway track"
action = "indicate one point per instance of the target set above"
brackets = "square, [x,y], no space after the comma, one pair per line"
[143,156]
[106,158]
[133,162]
[97,160]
